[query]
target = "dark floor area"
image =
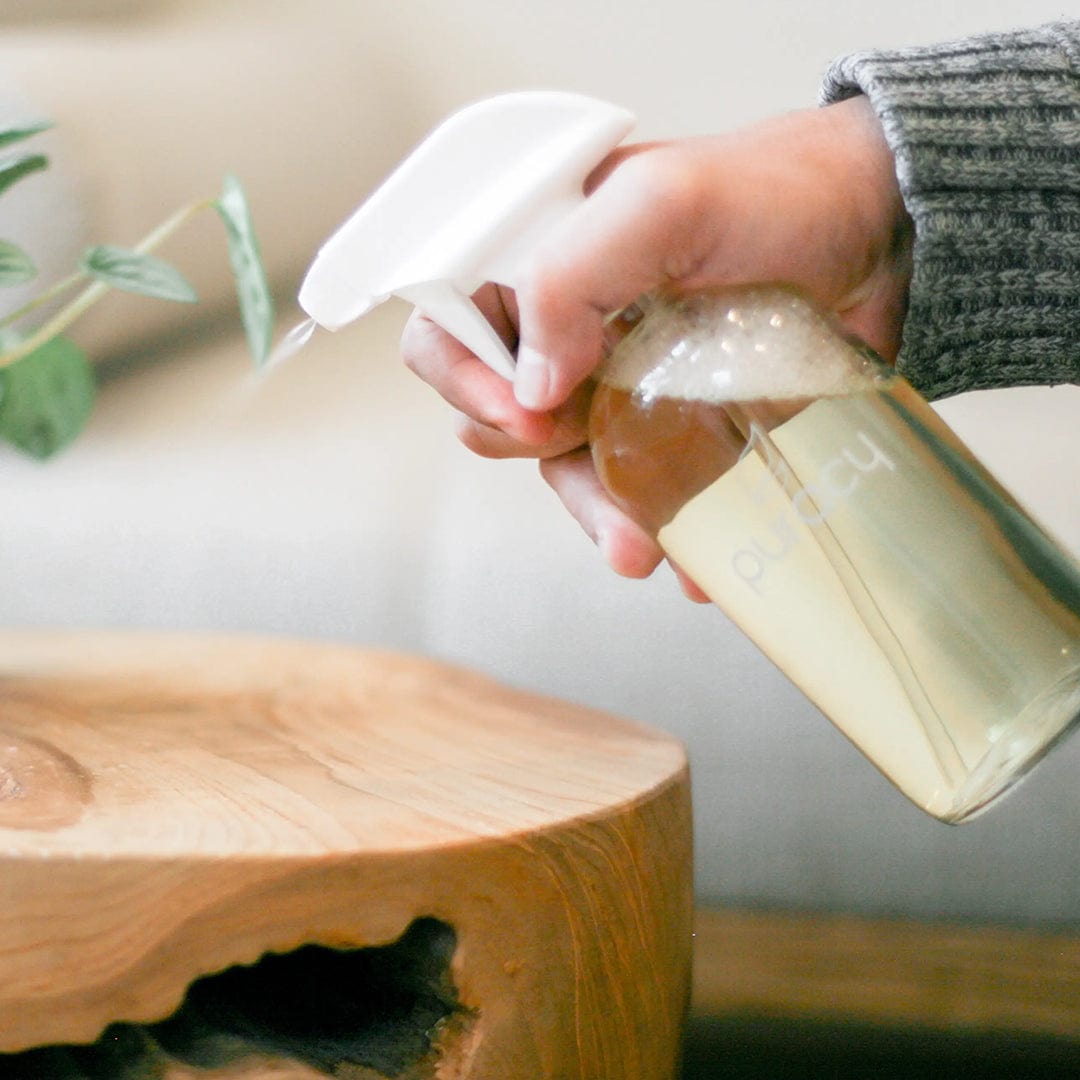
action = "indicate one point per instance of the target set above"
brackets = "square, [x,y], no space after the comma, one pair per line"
[740,1048]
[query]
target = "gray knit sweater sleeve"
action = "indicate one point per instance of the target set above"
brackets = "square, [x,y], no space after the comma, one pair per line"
[986,134]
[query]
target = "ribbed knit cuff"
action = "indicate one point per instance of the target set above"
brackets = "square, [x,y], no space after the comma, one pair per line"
[986,134]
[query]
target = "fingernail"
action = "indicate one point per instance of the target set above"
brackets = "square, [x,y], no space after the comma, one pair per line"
[532,380]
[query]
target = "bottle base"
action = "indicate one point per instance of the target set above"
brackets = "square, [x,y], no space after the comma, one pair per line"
[1036,731]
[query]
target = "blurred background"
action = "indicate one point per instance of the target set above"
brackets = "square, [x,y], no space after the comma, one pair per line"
[328,499]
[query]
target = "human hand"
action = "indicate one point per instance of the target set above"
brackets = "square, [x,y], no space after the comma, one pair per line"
[809,199]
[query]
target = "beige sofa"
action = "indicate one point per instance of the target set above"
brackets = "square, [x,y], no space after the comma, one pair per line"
[328,499]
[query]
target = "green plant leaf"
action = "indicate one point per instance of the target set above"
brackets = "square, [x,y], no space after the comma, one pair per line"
[137,272]
[256,305]
[16,267]
[46,398]
[23,131]
[14,167]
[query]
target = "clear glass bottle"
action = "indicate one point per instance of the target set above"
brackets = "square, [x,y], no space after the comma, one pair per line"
[832,515]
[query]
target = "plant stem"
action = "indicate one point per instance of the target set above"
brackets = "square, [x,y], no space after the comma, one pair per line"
[94,292]
[51,293]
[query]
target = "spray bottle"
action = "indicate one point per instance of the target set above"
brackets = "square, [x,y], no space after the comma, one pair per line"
[792,474]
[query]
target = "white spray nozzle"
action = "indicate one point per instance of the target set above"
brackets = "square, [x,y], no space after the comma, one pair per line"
[467,206]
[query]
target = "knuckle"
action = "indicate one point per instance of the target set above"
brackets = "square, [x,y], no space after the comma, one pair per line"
[468,433]
[665,179]
[542,282]
[482,440]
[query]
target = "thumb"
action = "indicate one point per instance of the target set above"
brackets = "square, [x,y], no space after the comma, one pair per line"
[634,233]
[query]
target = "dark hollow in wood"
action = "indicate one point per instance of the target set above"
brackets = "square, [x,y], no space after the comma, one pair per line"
[379,1009]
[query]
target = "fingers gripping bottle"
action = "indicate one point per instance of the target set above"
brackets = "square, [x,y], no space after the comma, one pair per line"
[805,486]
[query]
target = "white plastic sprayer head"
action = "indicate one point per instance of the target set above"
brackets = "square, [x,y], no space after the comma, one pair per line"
[467,206]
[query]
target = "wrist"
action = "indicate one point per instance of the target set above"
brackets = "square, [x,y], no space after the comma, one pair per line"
[880,227]
[872,185]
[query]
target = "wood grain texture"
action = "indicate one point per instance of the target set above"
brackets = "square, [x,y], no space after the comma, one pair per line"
[171,807]
[890,972]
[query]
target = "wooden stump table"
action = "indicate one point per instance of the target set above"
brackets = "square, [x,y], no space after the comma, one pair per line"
[245,858]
